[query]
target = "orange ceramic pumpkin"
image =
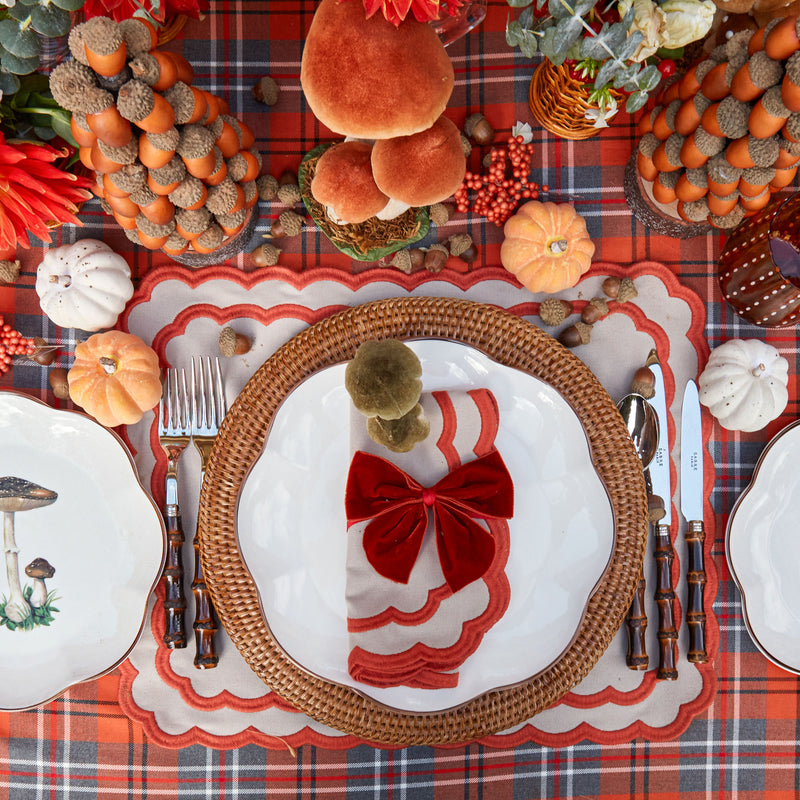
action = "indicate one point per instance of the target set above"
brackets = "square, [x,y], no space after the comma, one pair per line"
[115,377]
[546,246]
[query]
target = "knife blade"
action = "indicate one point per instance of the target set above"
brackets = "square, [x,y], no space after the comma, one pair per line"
[692,510]
[663,551]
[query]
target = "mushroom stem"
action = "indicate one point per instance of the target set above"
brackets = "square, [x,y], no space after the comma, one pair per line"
[17,607]
[759,370]
[39,593]
[61,280]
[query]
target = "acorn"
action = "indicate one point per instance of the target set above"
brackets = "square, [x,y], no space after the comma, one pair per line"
[728,117]
[44,354]
[756,76]
[288,224]
[627,290]
[664,124]
[232,343]
[191,223]
[265,255]
[783,40]
[644,156]
[594,311]
[748,151]
[610,286]
[126,180]
[462,246]
[402,261]
[441,213]
[232,223]
[226,197]
[769,114]
[103,118]
[690,113]
[250,193]
[575,335]
[138,103]
[104,46]
[189,194]
[723,177]
[189,104]
[163,180]
[196,148]
[790,86]
[466,146]
[69,82]
[664,186]
[791,129]
[755,179]
[75,44]
[477,128]
[644,383]
[729,220]
[153,235]
[696,211]
[156,69]
[553,311]
[435,258]
[57,378]
[9,271]
[699,147]
[266,91]
[209,240]
[175,245]
[139,34]
[667,157]
[267,187]
[692,184]
[289,194]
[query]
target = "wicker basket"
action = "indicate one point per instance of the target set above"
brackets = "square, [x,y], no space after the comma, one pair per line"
[171,28]
[506,339]
[559,103]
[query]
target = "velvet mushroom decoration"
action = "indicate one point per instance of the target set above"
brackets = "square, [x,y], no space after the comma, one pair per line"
[343,183]
[422,168]
[383,381]
[365,78]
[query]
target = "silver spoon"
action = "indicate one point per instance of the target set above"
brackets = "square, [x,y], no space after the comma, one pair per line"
[642,424]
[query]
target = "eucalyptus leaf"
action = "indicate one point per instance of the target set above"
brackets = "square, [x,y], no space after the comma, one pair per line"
[548,48]
[529,44]
[567,32]
[9,83]
[25,44]
[592,46]
[540,4]
[28,3]
[606,73]
[50,20]
[626,75]
[19,66]
[68,5]
[519,3]
[526,18]
[636,100]
[514,33]
[583,7]
[649,78]
[559,9]
[9,30]
[629,46]
[19,12]
[44,133]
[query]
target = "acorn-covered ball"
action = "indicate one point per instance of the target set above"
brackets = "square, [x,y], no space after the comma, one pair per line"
[400,435]
[383,379]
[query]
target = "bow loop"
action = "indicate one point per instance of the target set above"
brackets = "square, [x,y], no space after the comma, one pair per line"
[398,506]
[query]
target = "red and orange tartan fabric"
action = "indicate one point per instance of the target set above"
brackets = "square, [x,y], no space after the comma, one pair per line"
[746,745]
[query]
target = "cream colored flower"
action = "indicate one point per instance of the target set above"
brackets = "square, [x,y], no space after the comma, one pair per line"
[686,21]
[649,19]
[599,116]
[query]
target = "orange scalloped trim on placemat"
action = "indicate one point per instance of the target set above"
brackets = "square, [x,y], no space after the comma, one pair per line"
[463,281]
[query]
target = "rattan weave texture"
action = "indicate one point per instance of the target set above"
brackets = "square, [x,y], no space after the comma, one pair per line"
[507,339]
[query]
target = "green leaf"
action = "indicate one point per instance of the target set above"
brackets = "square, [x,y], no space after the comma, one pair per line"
[50,20]
[526,18]
[567,32]
[583,7]
[19,12]
[9,30]
[636,100]
[626,75]
[60,124]
[517,36]
[529,45]
[560,9]
[25,44]
[548,48]
[606,73]
[649,78]
[628,47]
[68,5]
[28,2]
[19,66]
[519,3]
[45,134]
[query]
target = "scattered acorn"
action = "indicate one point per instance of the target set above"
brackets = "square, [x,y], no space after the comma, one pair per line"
[441,213]
[478,129]
[594,311]
[265,255]
[57,378]
[553,311]
[462,246]
[289,194]
[44,354]
[575,335]
[611,286]
[288,224]
[266,91]
[267,186]
[644,383]
[232,343]
[9,271]
[436,258]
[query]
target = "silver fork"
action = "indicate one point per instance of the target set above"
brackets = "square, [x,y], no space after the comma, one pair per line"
[208,411]
[174,430]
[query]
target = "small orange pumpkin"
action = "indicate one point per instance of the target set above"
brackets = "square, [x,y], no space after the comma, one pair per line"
[546,246]
[115,377]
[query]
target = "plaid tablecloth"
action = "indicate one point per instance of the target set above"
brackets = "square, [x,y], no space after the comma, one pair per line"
[745,746]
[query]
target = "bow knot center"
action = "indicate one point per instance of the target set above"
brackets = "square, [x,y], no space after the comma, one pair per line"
[428,497]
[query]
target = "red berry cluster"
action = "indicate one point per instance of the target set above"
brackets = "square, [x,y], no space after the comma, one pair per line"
[12,343]
[499,191]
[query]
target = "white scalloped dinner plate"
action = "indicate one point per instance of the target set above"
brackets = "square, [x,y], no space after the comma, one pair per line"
[103,535]
[763,549]
[292,529]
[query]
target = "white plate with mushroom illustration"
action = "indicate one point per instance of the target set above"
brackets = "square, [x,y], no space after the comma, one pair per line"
[83,547]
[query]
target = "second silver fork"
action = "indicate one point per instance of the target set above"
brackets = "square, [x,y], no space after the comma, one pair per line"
[208,411]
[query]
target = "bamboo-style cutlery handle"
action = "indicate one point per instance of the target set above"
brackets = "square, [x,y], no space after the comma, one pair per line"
[665,601]
[636,622]
[174,597]
[696,579]
[205,621]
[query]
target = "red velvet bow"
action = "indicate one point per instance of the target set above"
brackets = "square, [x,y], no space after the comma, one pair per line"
[398,507]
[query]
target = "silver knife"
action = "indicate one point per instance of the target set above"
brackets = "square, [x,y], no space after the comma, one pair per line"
[664,554]
[692,510]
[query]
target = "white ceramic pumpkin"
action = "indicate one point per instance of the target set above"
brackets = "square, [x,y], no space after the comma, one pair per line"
[83,285]
[744,384]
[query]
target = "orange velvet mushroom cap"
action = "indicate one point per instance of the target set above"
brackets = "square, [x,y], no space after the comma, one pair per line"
[423,168]
[344,183]
[367,79]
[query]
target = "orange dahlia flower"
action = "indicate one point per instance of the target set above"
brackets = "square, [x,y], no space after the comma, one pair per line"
[34,193]
[423,10]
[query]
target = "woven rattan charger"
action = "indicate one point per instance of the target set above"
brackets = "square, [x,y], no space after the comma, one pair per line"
[508,340]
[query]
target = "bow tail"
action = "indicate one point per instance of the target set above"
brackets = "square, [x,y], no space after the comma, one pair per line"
[465,548]
[393,539]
